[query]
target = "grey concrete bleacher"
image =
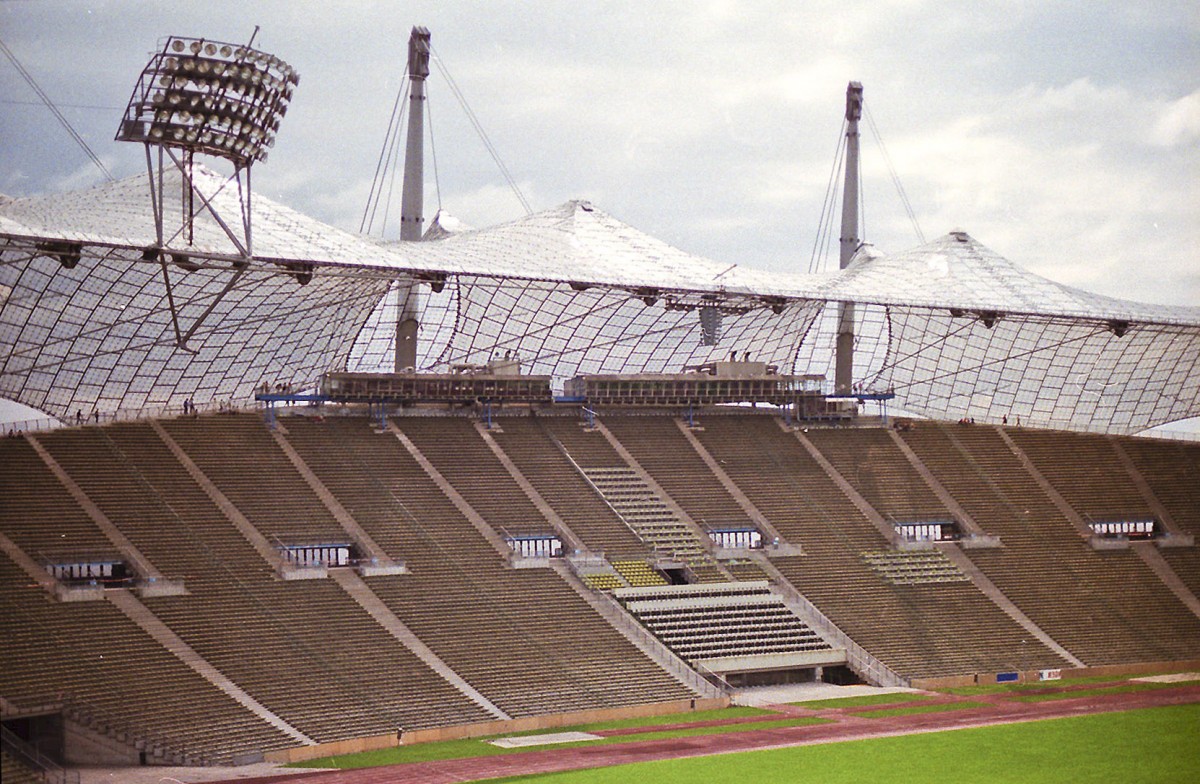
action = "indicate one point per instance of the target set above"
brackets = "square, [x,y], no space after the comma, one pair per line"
[1106,607]
[109,675]
[521,637]
[1172,470]
[917,630]
[459,453]
[304,649]
[662,451]
[871,462]
[527,442]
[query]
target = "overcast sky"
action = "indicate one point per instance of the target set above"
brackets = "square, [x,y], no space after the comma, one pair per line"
[1065,136]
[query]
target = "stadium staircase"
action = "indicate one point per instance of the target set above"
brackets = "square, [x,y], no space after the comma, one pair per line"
[666,449]
[656,513]
[23,763]
[729,627]
[548,451]
[14,771]
[663,452]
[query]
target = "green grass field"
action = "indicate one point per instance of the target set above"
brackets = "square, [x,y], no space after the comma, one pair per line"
[1105,683]
[892,698]
[1151,745]
[479,747]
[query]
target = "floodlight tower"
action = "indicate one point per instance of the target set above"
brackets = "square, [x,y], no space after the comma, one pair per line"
[197,96]
[212,98]
[413,197]
[843,377]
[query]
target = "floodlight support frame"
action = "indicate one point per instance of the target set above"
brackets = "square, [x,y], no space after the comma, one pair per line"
[223,100]
[188,196]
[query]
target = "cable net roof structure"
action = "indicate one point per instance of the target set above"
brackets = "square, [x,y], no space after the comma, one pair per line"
[573,290]
[88,323]
[92,316]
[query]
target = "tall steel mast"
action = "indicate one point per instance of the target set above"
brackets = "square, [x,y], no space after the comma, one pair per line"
[843,378]
[413,198]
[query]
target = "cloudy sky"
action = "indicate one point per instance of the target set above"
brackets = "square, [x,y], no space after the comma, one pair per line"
[1064,135]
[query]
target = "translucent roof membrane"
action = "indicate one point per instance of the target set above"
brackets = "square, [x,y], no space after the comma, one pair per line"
[101,336]
[561,332]
[956,271]
[954,329]
[1050,372]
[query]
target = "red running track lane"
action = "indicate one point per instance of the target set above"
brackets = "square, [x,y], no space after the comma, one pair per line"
[845,726]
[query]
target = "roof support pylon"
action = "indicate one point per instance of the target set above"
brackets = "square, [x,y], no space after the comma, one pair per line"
[408,296]
[843,378]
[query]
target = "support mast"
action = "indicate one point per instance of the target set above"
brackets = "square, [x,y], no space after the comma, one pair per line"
[843,379]
[413,198]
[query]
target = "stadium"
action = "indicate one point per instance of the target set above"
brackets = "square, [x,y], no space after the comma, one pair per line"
[312,493]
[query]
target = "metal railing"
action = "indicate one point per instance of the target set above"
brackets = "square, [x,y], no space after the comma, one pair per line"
[611,610]
[858,658]
[29,754]
[94,418]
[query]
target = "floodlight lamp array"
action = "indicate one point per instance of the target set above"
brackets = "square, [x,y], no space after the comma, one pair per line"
[216,98]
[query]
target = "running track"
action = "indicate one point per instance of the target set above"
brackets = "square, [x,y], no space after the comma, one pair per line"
[845,726]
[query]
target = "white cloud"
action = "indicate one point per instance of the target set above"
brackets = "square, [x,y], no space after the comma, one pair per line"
[710,125]
[1179,122]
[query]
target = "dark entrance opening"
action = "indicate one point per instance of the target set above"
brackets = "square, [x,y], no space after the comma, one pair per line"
[676,576]
[43,734]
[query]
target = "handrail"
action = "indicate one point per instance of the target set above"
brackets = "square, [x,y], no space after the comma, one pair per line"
[51,770]
[94,419]
[612,611]
[858,657]
[579,470]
